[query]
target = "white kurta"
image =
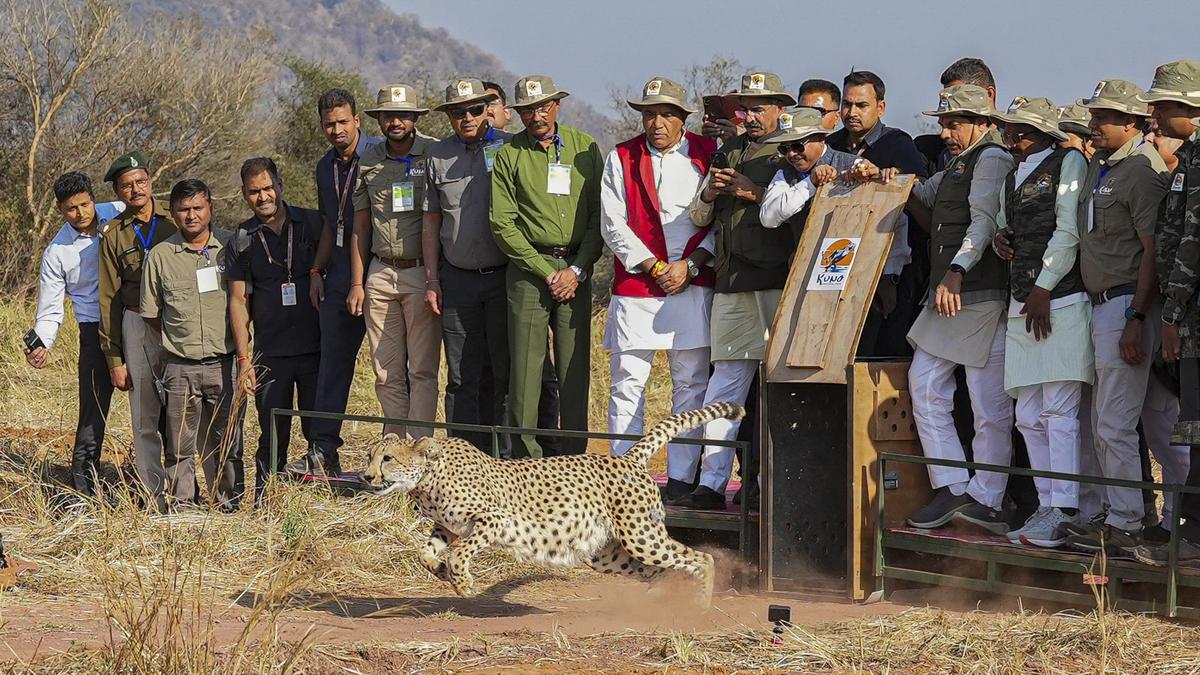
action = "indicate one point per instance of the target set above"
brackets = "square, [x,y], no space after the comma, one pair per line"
[679,321]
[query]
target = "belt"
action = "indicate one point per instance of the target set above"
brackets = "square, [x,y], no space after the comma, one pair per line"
[206,361]
[480,270]
[560,252]
[400,263]
[1112,293]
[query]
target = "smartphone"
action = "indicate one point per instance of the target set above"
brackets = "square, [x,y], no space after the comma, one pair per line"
[720,161]
[32,341]
[714,107]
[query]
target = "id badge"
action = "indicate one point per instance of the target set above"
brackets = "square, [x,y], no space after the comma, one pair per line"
[206,280]
[289,294]
[558,179]
[341,235]
[1176,183]
[489,154]
[402,197]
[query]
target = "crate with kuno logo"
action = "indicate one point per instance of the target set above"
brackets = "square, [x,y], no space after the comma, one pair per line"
[827,414]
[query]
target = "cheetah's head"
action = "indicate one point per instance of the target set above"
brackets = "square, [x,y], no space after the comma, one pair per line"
[399,464]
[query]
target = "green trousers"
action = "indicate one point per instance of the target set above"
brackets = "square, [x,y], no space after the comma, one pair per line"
[531,311]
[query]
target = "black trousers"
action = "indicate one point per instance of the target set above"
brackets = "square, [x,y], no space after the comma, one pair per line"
[95,395]
[475,334]
[341,338]
[283,382]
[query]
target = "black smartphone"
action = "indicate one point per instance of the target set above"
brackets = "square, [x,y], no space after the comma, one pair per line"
[720,161]
[779,613]
[32,341]
[714,108]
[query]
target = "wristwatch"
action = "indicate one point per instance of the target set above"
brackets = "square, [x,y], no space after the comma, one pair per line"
[959,268]
[1131,314]
[1170,322]
[579,272]
[693,269]
[894,278]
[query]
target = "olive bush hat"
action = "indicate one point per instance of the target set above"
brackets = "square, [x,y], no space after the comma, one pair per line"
[534,89]
[398,97]
[1177,81]
[662,91]
[763,85]
[796,124]
[465,90]
[1119,95]
[963,99]
[1039,113]
[1074,119]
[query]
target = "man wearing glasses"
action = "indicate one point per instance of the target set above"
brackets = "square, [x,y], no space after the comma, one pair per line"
[404,334]
[464,269]
[751,265]
[824,97]
[545,216]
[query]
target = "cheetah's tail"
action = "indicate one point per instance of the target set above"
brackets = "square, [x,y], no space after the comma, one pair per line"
[677,424]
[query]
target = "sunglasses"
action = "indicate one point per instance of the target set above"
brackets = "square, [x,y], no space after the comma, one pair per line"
[473,111]
[820,110]
[796,146]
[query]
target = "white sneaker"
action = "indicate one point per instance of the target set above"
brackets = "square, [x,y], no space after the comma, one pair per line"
[1031,523]
[1051,531]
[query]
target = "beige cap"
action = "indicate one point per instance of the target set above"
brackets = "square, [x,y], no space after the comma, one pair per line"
[963,99]
[1176,81]
[534,89]
[1119,95]
[463,90]
[796,124]
[1039,113]
[398,97]
[1074,119]
[662,91]
[763,85]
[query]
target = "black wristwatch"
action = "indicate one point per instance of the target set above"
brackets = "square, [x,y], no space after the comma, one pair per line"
[959,268]
[1170,322]
[894,278]
[1131,314]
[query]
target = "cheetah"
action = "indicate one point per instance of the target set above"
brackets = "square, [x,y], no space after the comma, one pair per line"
[556,512]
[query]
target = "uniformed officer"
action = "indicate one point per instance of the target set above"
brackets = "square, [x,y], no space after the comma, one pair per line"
[1118,209]
[269,288]
[185,297]
[134,354]
[545,215]
[751,264]
[1048,352]
[405,335]
[1175,96]
[962,323]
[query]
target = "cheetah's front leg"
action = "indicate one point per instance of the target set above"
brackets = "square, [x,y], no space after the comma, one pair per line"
[439,538]
[485,529]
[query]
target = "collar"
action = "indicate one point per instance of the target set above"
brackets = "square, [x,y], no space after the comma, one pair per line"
[253,224]
[870,139]
[180,246]
[680,147]
[127,219]
[1037,157]
[1131,146]
[419,146]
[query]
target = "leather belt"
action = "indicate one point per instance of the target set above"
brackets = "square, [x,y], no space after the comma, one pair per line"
[400,263]
[1112,293]
[480,270]
[560,252]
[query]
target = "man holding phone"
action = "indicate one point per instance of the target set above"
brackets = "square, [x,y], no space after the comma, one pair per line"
[70,267]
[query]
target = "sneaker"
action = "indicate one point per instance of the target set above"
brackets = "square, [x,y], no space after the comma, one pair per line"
[1031,523]
[315,462]
[1160,555]
[1113,540]
[675,489]
[986,517]
[1081,528]
[702,497]
[939,511]
[1051,531]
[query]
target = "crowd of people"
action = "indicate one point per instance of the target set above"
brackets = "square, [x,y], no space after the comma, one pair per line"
[1048,255]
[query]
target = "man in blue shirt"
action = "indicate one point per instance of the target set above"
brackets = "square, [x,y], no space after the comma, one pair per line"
[70,267]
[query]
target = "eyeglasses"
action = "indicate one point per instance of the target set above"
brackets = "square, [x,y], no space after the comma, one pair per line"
[795,146]
[823,111]
[473,111]
[542,110]
[1017,136]
[140,183]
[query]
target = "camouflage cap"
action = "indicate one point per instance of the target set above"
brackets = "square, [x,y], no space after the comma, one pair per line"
[397,97]
[1039,113]
[1074,119]
[462,90]
[963,99]
[764,85]
[534,89]
[130,160]
[796,124]
[1176,81]
[1119,95]
[662,91]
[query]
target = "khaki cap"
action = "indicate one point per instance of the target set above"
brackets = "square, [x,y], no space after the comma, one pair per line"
[130,160]
[662,91]
[796,124]
[533,89]
[466,90]
[1074,119]
[1176,81]
[763,85]
[1119,95]
[963,99]
[1039,113]
[398,97]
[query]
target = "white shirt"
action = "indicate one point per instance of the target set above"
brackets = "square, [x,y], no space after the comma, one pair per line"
[71,267]
[679,321]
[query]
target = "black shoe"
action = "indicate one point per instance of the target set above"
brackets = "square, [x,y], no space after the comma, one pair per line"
[939,511]
[752,494]
[983,516]
[674,489]
[1113,540]
[702,498]
[1160,555]
[1153,536]
[1085,528]
[315,463]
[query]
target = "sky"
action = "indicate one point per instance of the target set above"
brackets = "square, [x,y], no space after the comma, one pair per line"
[1054,48]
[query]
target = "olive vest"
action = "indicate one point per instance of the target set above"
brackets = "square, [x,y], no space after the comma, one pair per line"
[1029,211]
[988,279]
[749,257]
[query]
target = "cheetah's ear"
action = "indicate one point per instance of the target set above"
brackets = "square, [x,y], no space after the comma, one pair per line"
[429,447]
[391,438]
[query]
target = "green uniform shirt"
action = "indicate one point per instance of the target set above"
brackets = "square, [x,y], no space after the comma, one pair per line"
[393,188]
[524,213]
[195,324]
[121,257]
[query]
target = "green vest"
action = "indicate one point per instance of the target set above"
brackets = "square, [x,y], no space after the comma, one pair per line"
[988,279]
[1029,211]
[749,257]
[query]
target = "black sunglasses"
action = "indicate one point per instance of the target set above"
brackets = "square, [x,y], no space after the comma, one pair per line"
[797,146]
[473,111]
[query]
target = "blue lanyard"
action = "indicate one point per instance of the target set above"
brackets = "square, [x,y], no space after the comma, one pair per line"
[558,143]
[407,163]
[145,241]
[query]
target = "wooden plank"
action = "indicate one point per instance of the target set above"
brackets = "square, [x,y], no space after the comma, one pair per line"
[815,333]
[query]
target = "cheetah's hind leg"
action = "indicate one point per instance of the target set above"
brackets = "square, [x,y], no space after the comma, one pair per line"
[616,559]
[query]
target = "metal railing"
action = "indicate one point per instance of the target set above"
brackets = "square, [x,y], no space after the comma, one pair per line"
[1172,490]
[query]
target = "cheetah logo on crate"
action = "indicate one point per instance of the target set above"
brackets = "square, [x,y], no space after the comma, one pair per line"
[833,265]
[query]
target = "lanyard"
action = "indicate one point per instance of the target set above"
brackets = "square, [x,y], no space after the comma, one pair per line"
[343,194]
[558,142]
[287,264]
[203,252]
[407,163]
[147,240]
